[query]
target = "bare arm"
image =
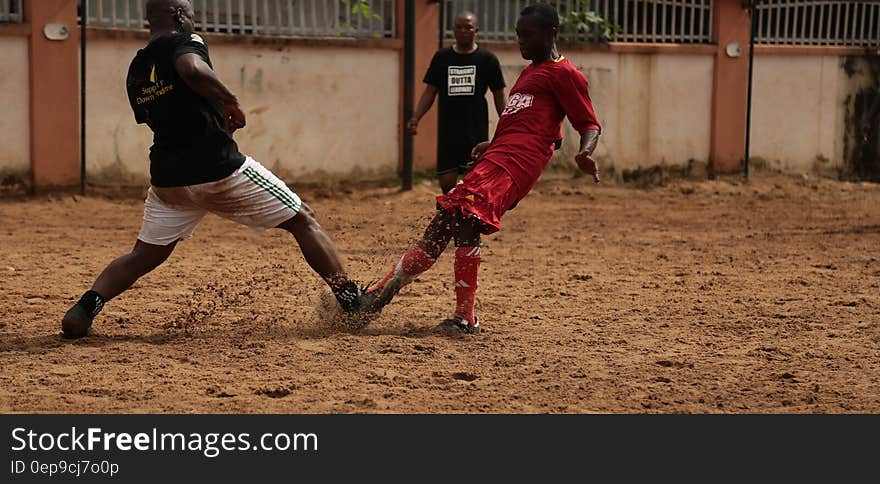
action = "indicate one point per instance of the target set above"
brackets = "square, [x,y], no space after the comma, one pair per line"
[425,103]
[500,100]
[584,159]
[199,76]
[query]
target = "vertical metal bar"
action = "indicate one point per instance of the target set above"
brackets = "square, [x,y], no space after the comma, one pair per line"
[637,10]
[682,35]
[864,14]
[663,8]
[752,21]
[140,13]
[241,17]
[605,12]
[266,24]
[674,34]
[812,32]
[289,12]
[847,21]
[5,13]
[408,91]
[835,20]
[653,22]
[802,12]
[84,22]
[871,28]
[702,22]
[495,24]
[625,20]
[694,9]
[485,14]
[127,9]
[113,13]
[229,23]
[777,16]
[710,32]
[302,16]
[255,17]
[393,29]
[214,26]
[505,34]
[786,38]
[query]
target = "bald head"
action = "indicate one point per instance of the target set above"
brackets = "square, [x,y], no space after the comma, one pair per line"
[466,15]
[170,15]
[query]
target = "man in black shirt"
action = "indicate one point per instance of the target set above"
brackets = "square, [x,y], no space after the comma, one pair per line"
[460,75]
[196,168]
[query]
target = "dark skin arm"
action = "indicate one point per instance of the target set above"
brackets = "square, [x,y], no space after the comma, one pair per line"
[584,159]
[425,103]
[199,76]
[500,100]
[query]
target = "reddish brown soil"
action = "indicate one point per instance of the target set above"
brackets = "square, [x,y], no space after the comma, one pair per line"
[699,296]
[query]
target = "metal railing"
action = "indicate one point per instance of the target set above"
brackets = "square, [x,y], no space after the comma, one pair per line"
[11,12]
[345,18]
[818,22]
[654,21]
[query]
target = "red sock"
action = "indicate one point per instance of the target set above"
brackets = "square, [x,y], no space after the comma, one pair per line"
[413,263]
[467,264]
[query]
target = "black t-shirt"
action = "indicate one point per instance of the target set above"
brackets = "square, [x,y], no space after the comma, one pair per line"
[461,80]
[190,143]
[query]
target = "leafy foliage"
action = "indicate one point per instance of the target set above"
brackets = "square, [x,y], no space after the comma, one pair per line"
[584,20]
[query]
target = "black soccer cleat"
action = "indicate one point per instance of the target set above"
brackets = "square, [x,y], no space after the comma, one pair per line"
[348,296]
[459,325]
[76,323]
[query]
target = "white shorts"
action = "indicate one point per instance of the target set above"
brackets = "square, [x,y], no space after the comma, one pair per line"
[251,196]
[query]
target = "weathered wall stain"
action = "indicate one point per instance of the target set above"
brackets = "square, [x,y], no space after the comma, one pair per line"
[862,156]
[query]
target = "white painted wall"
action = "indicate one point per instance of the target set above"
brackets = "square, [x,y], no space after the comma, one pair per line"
[15,137]
[312,111]
[654,109]
[799,111]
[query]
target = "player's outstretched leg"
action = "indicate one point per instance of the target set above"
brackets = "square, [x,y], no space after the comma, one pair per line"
[320,253]
[415,261]
[116,278]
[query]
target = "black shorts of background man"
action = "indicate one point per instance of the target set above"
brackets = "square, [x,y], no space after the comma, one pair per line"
[460,75]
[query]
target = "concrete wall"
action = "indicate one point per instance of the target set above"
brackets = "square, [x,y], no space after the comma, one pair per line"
[312,111]
[15,138]
[654,108]
[801,111]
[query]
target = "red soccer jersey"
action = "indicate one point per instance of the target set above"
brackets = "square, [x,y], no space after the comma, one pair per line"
[530,124]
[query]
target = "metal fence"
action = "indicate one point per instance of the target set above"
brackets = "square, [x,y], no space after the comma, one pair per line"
[11,12]
[346,18]
[655,21]
[818,22]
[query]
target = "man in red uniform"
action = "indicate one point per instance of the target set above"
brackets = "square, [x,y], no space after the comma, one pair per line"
[548,90]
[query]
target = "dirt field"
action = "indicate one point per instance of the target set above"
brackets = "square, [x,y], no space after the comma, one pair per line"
[696,297]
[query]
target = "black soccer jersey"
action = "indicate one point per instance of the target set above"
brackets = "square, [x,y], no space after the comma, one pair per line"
[190,142]
[462,80]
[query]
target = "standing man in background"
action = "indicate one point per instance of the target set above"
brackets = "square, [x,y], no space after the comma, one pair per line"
[460,74]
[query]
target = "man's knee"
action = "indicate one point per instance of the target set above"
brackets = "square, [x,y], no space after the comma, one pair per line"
[303,222]
[308,210]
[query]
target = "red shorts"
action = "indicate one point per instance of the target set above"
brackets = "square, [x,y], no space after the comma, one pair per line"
[485,193]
